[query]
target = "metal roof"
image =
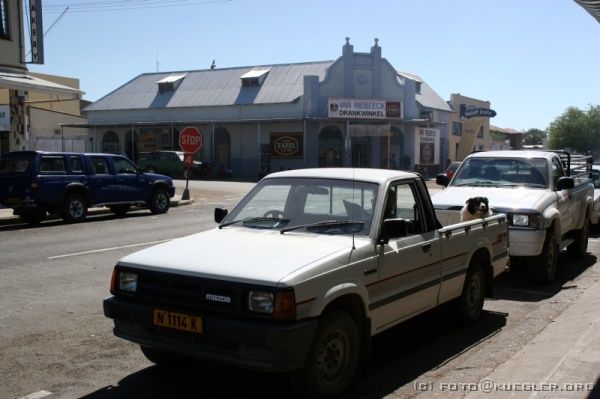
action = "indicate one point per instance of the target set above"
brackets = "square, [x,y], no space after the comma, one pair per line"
[591,6]
[213,87]
[428,98]
[19,81]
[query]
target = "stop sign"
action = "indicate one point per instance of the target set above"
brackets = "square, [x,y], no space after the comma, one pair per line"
[190,139]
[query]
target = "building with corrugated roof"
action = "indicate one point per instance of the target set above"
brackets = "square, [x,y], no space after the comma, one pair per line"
[357,110]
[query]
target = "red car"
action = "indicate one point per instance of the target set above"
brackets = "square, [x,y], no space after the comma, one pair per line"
[451,169]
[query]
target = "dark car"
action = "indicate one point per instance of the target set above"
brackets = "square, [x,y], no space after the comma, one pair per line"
[170,163]
[34,183]
[451,169]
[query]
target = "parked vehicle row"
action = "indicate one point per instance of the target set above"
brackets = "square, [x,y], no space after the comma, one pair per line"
[35,183]
[171,163]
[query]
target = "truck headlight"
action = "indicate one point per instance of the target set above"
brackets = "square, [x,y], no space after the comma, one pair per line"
[282,304]
[526,220]
[128,282]
[261,301]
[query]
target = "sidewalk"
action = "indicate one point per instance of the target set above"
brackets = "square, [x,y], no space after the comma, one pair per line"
[563,361]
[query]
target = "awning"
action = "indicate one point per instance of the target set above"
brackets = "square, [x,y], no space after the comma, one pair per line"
[591,6]
[19,81]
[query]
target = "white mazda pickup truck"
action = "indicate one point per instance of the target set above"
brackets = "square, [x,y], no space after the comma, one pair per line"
[302,273]
[547,196]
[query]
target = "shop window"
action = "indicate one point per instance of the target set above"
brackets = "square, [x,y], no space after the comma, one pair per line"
[110,142]
[331,145]
[4,28]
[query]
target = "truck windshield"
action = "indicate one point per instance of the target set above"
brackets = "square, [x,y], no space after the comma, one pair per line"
[308,204]
[503,172]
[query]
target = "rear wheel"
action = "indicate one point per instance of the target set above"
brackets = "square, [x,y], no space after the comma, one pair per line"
[332,360]
[578,248]
[160,201]
[544,268]
[75,208]
[470,303]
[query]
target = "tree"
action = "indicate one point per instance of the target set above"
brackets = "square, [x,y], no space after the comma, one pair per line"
[534,136]
[576,130]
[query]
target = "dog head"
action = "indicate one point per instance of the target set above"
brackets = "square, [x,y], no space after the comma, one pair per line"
[478,206]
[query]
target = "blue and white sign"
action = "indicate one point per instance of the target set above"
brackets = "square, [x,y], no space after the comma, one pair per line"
[4,118]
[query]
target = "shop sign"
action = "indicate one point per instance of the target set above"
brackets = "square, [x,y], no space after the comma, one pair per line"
[36,31]
[4,117]
[286,145]
[350,108]
[428,141]
[472,112]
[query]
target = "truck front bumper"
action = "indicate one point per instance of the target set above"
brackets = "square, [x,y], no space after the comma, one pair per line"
[526,242]
[254,344]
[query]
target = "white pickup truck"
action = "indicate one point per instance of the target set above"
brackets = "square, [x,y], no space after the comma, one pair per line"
[302,272]
[547,195]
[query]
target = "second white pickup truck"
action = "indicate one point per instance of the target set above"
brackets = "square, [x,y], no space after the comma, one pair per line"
[302,273]
[547,195]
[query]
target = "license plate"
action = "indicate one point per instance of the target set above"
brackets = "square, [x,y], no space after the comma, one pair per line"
[177,321]
[13,200]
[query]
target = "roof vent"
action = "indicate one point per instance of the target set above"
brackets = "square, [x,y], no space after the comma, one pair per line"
[170,83]
[255,77]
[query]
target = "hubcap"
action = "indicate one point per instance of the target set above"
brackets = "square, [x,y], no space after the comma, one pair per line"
[474,293]
[76,209]
[331,357]
[161,201]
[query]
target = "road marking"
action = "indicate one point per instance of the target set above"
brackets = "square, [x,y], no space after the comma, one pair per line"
[36,395]
[109,249]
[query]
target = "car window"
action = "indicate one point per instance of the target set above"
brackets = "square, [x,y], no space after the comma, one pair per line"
[401,203]
[99,165]
[124,166]
[75,165]
[52,164]
[11,166]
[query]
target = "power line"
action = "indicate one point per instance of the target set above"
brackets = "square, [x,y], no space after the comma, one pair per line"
[121,5]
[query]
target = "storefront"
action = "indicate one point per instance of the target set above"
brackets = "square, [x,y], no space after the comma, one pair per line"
[355,111]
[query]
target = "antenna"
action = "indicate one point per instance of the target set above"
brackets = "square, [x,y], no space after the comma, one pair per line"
[353,189]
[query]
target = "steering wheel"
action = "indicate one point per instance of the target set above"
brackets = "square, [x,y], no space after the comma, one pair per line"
[273,213]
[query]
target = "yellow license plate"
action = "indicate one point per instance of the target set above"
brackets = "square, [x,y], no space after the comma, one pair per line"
[177,321]
[13,200]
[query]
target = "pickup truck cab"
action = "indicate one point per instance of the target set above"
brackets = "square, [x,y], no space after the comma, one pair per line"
[34,183]
[302,273]
[547,196]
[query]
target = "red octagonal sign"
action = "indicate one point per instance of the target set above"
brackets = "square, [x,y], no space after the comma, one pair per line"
[190,140]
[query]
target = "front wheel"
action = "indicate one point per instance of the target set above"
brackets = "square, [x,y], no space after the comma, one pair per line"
[470,303]
[332,360]
[578,248]
[544,268]
[75,208]
[160,201]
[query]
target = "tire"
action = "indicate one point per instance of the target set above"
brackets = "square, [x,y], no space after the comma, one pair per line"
[543,270]
[165,359]
[75,208]
[160,201]
[120,210]
[332,360]
[33,217]
[470,303]
[578,248]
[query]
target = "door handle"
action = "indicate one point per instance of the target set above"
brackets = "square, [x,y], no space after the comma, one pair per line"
[370,271]
[426,247]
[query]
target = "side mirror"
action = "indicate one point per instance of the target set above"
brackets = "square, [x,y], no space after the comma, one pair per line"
[393,228]
[220,214]
[442,180]
[565,183]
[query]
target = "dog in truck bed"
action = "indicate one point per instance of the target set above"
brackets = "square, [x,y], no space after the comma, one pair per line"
[475,208]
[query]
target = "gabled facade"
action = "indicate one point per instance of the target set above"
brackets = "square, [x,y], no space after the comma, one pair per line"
[354,111]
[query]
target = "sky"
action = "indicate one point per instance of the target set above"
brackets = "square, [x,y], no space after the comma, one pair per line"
[532,59]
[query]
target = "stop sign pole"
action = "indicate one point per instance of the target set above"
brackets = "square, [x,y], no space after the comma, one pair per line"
[190,141]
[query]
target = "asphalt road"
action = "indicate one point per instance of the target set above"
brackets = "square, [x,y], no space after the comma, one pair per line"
[55,341]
